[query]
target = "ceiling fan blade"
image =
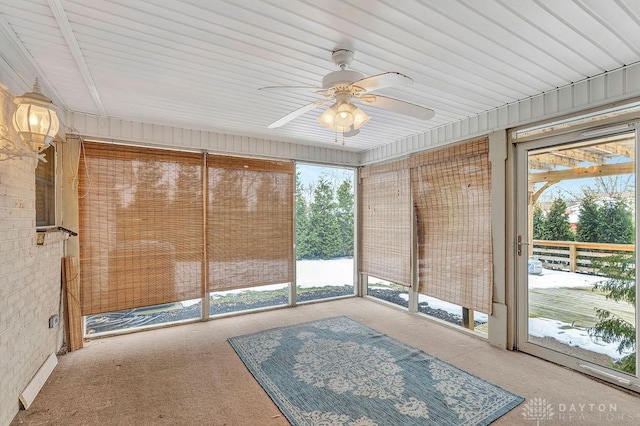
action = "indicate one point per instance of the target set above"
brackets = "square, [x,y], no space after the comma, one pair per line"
[295,114]
[401,107]
[380,81]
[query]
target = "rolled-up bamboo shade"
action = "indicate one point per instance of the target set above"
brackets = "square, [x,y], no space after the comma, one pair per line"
[141,221]
[452,198]
[73,314]
[386,223]
[249,222]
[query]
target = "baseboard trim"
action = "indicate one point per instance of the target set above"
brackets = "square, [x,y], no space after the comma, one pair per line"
[29,393]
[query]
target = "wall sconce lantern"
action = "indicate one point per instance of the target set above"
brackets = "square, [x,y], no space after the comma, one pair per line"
[36,122]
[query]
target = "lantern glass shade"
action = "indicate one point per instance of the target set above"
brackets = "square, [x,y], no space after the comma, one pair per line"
[36,125]
[35,119]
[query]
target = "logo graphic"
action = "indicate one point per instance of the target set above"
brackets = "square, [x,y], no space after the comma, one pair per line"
[537,409]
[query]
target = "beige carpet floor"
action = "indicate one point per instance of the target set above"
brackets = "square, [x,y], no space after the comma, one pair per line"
[190,375]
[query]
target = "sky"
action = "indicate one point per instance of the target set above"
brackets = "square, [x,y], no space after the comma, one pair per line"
[575,187]
[310,173]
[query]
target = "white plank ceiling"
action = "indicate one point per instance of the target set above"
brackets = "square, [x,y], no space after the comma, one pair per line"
[198,64]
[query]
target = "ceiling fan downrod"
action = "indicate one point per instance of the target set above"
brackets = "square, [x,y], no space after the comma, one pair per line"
[342,58]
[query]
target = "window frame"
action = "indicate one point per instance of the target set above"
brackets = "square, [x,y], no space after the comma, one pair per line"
[51,212]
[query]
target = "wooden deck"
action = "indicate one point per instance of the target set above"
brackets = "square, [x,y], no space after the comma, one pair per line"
[575,305]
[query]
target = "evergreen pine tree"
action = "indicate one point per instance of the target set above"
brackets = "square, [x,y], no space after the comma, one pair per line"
[620,287]
[538,222]
[557,226]
[302,221]
[616,223]
[324,230]
[344,215]
[590,221]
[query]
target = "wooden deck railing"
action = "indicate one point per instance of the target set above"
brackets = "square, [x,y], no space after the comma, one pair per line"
[575,256]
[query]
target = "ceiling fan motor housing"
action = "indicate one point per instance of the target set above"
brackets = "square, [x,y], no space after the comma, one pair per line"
[342,57]
[340,78]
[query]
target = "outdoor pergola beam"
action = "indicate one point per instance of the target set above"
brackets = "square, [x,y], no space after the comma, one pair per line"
[538,193]
[539,165]
[583,172]
[614,148]
[552,158]
[581,155]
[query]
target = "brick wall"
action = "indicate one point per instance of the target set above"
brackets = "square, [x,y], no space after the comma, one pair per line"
[29,279]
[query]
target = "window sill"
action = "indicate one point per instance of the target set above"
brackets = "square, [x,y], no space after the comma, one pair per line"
[50,236]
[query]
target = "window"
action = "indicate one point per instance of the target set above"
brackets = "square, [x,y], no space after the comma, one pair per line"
[142,250]
[387,218]
[391,292]
[250,233]
[140,227]
[325,204]
[46,189]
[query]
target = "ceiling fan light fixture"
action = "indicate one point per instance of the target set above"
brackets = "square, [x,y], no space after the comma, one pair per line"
[327,118]
[344,116]
[360,118]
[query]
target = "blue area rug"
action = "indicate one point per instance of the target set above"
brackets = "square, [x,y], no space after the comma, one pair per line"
[337,371]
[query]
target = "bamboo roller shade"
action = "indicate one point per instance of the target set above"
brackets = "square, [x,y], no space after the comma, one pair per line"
[249,222]
[392,166]
[452,198]
[73,315]
[142,220]
[141,224]
[386,225]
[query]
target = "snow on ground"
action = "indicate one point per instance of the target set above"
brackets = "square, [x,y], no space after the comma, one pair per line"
[312,273]
[554,279]
[450,307]
[545,327]
[562,332]
[446,306]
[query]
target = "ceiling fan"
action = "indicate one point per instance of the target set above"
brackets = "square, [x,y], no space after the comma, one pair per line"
[345,86]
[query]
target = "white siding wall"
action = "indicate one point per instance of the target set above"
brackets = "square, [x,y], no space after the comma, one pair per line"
[29,279]
[614,86]
[113,129]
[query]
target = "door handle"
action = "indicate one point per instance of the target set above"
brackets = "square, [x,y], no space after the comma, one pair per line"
[520,244]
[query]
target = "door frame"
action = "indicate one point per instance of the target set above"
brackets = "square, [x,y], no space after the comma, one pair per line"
[520,150]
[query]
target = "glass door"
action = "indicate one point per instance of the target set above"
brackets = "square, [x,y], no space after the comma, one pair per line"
[575,251]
